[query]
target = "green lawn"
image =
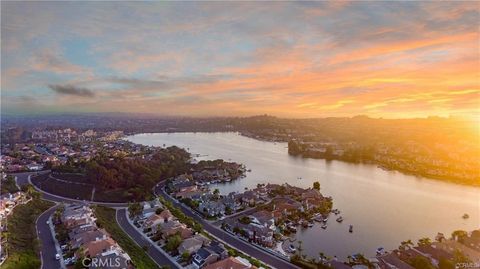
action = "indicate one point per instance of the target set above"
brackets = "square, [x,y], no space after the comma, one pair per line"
[23,244]
[106,219]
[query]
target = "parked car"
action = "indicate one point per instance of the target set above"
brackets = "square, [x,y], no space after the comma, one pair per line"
[57,256]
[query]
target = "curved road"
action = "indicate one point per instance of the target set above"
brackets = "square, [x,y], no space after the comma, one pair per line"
[24,179]
[48,245]
[269,259]
[45,235]
[233,241]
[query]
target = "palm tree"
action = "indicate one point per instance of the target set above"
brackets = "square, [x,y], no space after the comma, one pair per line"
[424,241]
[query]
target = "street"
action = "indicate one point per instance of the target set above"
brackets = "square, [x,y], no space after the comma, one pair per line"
[154,253]
[48,250]
[233,241]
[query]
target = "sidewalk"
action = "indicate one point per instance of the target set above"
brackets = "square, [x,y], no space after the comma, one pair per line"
[57,245]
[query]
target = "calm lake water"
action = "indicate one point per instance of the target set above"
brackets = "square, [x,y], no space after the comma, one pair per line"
[385,207]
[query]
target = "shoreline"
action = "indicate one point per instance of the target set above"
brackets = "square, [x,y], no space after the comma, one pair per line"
[300,155]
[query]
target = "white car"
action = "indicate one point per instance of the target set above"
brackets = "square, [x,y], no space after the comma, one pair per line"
[57,256]
[48,222]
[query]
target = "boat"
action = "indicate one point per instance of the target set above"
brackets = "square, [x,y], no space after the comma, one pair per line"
[465,216]
[339,219]
[380,251]
[324,226]
[350,229]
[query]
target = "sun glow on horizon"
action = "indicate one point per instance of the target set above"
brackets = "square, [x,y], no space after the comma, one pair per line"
[389,60]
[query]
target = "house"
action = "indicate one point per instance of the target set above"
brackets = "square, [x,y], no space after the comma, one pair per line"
[95,248]
[212,208]
[248,198]
[391,261]
[231,263]
[204,257]
[72,223]
[451,246]
[191,245]
[209,254]
[79,239]
[473,241]
[434,254]
[311,193]
[218,248]
[173,227]
[264,219]
[286,206]
[260,235]
[230,202]
[153,221]
[191,194]
[166,215]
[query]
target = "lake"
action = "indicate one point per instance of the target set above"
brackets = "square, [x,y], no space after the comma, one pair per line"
[385,207]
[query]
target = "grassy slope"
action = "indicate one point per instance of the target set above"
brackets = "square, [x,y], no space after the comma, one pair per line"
[23,244]
[106,219]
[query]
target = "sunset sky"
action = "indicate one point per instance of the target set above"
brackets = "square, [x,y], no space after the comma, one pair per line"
[306,59]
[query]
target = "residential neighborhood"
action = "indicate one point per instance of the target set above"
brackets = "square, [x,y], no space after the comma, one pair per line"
[185,244]
[82,241]
[8,202]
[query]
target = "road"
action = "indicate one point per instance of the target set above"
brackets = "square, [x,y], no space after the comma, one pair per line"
[23,179]
[48,245]
[154,253]
[48,249]
[233,241]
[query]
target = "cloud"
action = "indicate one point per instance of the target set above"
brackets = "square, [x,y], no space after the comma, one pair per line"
[284,58]
[71,90]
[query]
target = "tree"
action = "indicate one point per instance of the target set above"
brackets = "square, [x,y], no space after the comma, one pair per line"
[185,256]
[424,241]
[445,264]
[173,242]
[216,193]
[316,185]
[459,257]
[245,220]
[135,209]
[459,235]
[32,193]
